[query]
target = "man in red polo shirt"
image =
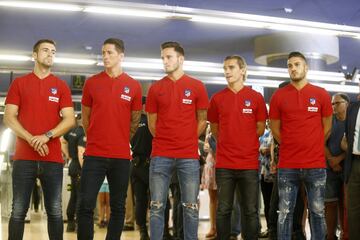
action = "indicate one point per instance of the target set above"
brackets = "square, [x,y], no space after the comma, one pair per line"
[111,109]
[300,120]
[176,107]
[237,117]
[32,109]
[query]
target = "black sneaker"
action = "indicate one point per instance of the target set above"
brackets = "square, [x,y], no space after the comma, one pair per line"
[71,226]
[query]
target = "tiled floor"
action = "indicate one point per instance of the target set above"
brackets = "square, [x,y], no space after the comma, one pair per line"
[37,230]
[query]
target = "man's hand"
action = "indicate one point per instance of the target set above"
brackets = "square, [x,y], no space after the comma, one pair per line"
[43,150]
[38,142]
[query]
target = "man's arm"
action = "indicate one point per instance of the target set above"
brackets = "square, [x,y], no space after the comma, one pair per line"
[134,124]
[275,129]
[64,147]
[260,128]
[81,151]
[327,122]
[214,130]
[201,119]
[152,118]
[67,122]
[10,120]
[85,117]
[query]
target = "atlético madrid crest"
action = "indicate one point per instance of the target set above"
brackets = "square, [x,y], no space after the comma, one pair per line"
[312,101]
[126,90]
[187,92]
[53,91]
[247,103]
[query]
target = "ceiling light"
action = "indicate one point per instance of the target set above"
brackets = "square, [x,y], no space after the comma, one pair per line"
[17,58]
[126,12]
[74,61]
[41,5]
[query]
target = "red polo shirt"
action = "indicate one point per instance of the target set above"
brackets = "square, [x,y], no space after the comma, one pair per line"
[302,133]
[39,102]
[111,101]
[237,115]
[176,104]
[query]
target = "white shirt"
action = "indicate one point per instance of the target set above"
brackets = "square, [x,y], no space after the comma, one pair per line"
[356,147]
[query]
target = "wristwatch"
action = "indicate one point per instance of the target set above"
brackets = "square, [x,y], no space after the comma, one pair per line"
[49,134]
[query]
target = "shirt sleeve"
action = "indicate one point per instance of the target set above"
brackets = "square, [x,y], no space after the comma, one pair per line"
[274,107]
[326,108]
[136,104]
[151,104]
[65,99]
[213,113]
[261,114]
[13,96]
[86,97]
[202,101]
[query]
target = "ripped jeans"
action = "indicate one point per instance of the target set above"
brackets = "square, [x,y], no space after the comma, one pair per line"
[314,180]
[161,170]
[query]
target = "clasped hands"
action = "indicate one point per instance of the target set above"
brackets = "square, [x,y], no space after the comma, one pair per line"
[38,142]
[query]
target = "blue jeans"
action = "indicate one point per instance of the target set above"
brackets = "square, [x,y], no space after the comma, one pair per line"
[188,170]
[246,184]
[24,176]
[289,181]
[93,174]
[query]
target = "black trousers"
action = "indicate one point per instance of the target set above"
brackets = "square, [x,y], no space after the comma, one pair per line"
[74,198]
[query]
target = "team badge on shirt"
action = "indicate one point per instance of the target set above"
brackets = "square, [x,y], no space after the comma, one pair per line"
[247,103]
[312,101]
[53,91]
[126,90]
[187,94]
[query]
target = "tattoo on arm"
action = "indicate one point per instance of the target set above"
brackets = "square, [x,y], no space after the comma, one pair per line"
[135,119]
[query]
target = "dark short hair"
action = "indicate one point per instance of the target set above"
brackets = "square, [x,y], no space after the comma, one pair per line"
[297,54]
[177,47]
[143,100]
[343,96]
[240,61]
[37,44]
[118,43]
[283,84]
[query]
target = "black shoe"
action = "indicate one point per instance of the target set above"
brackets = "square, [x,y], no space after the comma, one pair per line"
[167,236]
[128,228]
[71,226]
[144,233]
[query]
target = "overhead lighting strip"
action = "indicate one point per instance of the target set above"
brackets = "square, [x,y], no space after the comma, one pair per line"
[150,64]
[128,9]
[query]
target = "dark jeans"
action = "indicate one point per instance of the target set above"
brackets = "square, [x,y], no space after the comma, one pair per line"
[266,190]
[24,176]
[74,200]
[140,185]
[353,200]
[297,233]
[246,184]
[93,174]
